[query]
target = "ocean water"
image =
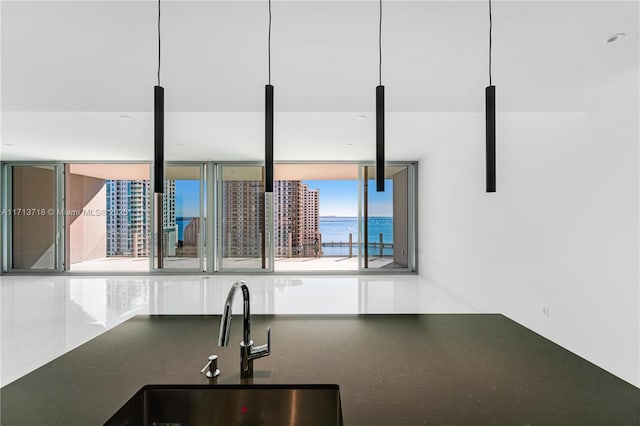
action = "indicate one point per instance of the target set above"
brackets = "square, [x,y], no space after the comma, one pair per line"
[337,229]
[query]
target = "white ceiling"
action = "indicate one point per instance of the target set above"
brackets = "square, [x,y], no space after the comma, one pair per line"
[70,69]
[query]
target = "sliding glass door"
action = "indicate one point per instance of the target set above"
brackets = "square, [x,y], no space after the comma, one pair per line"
[183,217]
[387,231]
[111,232]
[245,218]
[33,218]
[316,217]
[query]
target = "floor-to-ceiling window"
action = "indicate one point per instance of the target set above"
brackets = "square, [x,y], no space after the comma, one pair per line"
[183,217]
[387,227]
[323,222]
[110,227]
[321,217]
[243,228]
[316,217]
[32,217]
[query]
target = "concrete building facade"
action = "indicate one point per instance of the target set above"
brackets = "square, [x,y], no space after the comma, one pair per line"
[129,216]
[296,214]
[296,210]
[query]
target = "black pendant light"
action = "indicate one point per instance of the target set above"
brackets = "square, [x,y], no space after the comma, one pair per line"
[158,157]
[490,105]
[268,122]
[380,116]
[158,119]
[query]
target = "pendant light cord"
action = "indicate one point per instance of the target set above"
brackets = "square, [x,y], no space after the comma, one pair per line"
[490,30]
[269,42]
[380,46]
[158,42]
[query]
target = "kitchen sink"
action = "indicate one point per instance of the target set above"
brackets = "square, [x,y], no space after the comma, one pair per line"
[231,405]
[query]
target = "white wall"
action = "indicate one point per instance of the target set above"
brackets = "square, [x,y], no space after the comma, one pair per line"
[86,236]
[561,232]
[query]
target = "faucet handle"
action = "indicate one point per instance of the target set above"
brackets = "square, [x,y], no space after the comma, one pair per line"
[268,340]
[262,350]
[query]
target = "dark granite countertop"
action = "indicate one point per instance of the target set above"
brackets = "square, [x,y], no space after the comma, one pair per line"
[392,370]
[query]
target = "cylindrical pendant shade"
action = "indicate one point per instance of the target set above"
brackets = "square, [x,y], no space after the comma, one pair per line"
[490,93]
[158,133]
[380,138]
[159,230]
[268,138]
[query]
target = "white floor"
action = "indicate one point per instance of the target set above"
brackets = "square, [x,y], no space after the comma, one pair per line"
[43,316]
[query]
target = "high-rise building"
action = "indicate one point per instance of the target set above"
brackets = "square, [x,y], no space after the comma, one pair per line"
[129,219]
[296,210]
[296,214]
[169,224]
[242,205]
[311,226]
[169,206]
[191,233]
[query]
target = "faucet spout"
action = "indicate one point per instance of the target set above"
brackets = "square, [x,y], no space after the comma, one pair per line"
[225,322]
[247,351]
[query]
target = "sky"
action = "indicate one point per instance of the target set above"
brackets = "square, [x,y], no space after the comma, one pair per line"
[337,198]
[340,197]
[187,198]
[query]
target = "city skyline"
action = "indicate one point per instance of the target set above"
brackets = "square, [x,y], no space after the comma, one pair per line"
[297,209]
[338,198]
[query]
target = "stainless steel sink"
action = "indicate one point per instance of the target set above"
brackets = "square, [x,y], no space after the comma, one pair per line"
[227,405]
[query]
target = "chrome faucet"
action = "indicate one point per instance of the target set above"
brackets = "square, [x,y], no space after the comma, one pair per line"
[247,351]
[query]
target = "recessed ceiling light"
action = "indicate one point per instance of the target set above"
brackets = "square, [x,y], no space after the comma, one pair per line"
[361,117]
[349,145]
[615,37]
[180,144]
[126,117]
[8,144]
